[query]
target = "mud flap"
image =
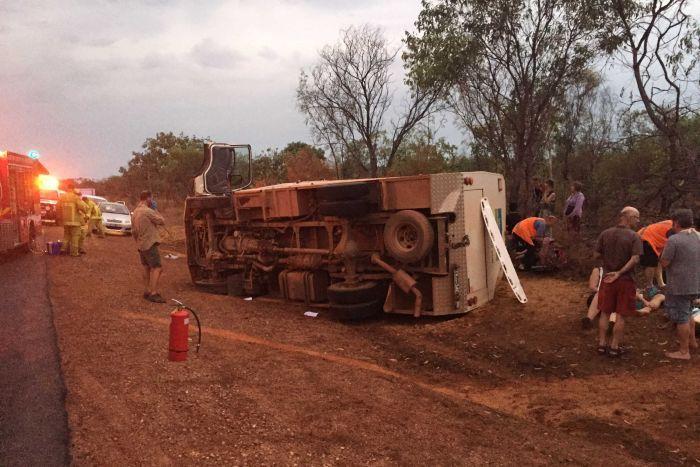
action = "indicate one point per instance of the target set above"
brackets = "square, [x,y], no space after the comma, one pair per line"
[502,251]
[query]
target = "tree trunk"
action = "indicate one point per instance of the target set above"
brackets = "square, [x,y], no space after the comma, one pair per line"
[373,167]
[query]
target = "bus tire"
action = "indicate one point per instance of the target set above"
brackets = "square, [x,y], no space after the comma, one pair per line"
[342,293]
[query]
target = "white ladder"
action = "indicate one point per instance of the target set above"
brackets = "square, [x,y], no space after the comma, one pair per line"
[502,251]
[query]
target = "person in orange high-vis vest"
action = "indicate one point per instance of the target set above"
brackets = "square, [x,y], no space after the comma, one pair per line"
[654,238]
[527,239]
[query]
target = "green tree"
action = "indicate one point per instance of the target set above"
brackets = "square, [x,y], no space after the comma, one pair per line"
[506,64]
[165,165]
[659,42]
[268,168]
[423,154]
[296,146]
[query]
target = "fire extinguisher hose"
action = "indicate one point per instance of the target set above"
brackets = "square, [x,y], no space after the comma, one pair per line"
[199,324]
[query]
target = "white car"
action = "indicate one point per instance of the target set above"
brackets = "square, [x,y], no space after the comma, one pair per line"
[116,218]
[95,199]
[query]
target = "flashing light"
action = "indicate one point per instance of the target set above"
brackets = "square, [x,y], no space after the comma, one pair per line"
[3,154]
[33,154]
[47,182]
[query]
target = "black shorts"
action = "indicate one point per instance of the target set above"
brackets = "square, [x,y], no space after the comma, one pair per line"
[151,257]
[649,258]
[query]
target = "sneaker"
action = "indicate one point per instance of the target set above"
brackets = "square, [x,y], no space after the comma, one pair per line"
[156,298]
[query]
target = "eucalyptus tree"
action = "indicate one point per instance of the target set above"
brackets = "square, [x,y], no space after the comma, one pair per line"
[504,66]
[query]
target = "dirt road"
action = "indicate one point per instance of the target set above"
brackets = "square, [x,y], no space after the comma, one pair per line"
[33,422]
[506,384]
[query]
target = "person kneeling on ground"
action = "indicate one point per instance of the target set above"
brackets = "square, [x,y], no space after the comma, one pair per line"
[528,239]
[144,229]
[681,259]
[620,248]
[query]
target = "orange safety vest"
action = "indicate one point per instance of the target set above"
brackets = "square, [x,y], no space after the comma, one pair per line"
[526,230]
[655,234]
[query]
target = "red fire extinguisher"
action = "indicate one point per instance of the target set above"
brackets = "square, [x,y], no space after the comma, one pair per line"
[179,332]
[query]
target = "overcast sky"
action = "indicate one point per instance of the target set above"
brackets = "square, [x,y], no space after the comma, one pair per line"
[86,82]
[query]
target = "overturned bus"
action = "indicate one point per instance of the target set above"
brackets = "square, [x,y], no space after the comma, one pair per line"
[412,245]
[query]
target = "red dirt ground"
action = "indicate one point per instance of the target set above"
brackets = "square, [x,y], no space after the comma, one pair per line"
[506,384]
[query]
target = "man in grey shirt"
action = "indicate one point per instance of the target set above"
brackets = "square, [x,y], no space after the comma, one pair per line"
[144,228]
[681,259]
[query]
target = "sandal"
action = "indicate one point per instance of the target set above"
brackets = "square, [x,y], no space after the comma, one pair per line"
[602,350]
[614,353]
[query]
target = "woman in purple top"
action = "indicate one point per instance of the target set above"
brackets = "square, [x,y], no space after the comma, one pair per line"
[573,208]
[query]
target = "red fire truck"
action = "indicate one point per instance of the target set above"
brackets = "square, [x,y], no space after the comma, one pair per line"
[20,211]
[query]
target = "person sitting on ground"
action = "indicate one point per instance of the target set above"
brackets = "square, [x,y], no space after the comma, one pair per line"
[646,300]
[528,239]
[144,229]
[649,300]
[619,248]
[654,238]
[681,259]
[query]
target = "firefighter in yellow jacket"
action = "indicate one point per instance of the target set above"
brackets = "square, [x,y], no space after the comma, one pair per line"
[94,218]
[72,211]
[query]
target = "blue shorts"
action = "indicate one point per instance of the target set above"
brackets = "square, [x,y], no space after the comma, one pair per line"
[679,308]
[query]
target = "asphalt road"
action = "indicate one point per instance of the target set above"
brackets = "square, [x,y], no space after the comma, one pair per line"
[33,421]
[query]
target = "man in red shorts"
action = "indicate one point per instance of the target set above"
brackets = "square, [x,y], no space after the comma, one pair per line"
[620,248]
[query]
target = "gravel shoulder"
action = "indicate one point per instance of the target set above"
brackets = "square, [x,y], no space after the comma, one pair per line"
[506,384]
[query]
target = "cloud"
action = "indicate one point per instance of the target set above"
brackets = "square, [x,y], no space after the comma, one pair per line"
[89,81]
[333,4]
[158,60]
[209,54]
[98,40]
[268,53]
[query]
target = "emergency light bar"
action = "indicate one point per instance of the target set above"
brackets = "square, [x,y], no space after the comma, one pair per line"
[47,182]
